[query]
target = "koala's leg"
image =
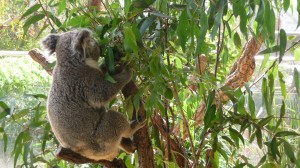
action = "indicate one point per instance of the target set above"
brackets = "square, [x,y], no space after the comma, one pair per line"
[127,145]
[112,155]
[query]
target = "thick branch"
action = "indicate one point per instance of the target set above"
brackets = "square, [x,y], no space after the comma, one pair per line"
[70,156]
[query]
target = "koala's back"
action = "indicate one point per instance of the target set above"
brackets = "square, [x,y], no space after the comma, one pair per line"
[73,120]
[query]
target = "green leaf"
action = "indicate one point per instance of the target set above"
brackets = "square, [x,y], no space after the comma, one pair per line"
[296,80]
[271,87]
[146,24]
[168,93]
[282,113]
[283,41]
[45,136]
[203,31]
[217,23]
[210,99]
[5,141]
[161,15]
[298,10]
[228,29]
[55,20]
[25,153]
[31,20]
[178,6]
[269,165]
[274,148]
[32,9]
[251,102]
[270,50]
[226,138]
[262,160]
[209,116]
[282,84]
[264,121]
[76,21]
[237,40]
[3,105]
[42,96]
[223,153]
[137,34]
[289,151]
[18,147]
[130,39]
[61,6]
[270,21]
[109,78]
[260,13]
[259,137]
[235,134]
[240,10]
[286,4]
[20,114]
[241,165]
[136,102]
[297,54]
[142,3]
[182,29]
[266,96]
[286,133]
[110,61]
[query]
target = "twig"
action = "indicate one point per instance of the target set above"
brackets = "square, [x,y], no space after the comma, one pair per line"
[257,80]
[185,122]
[107,10]
[168,132]
[47,16]
[292,46]
[202,143]
[219,49]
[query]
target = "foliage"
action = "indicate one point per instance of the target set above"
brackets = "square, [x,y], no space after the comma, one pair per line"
[13,37]
[161,41]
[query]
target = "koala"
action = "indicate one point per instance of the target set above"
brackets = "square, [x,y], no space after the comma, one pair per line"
[77,97]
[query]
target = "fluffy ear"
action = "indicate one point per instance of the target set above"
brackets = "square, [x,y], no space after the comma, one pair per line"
[50,42]
[80,38]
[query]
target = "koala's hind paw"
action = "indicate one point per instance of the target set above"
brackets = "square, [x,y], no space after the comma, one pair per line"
[128,145]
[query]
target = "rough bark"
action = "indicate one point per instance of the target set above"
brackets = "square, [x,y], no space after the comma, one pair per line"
[242,70]
[96,4]
[141,137]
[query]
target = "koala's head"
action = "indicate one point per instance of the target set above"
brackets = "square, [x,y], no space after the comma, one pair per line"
[77,43]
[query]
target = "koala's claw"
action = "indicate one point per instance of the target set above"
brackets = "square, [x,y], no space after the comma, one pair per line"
[143,123]
[135,125]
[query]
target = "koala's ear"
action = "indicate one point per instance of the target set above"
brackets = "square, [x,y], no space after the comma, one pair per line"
[80,39]
[50,42]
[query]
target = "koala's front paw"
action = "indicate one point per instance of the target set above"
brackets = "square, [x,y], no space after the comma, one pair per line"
[135,125]
[127,73]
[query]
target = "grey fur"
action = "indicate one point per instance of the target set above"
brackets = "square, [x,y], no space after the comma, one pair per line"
[77,97]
